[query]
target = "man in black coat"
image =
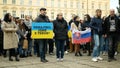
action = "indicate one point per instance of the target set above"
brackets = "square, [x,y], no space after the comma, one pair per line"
[112,31]
[42,43]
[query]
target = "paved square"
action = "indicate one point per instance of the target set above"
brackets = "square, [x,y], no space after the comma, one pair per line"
[70,61]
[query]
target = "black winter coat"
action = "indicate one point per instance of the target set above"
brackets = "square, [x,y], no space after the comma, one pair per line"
[60,29]
[41,18]
[106,25]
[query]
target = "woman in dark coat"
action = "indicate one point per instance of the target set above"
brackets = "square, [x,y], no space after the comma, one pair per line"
[60,30]
[84,25]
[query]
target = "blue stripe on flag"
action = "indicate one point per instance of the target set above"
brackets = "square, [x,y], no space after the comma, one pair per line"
[86,35]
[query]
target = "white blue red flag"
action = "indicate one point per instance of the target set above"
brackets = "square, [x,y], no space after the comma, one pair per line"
[81,37]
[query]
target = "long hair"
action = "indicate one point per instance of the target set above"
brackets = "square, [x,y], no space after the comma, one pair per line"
[75,18]
[88,17]
[6,18]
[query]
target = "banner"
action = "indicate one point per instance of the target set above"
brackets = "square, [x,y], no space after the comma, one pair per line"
[81,37]
[69,32]
[42,30]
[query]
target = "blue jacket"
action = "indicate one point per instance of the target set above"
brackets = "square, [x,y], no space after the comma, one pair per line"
[96,25]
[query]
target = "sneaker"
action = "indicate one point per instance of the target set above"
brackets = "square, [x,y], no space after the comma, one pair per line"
[58,59]
[116,53]
[51,53]
[99,58]
[66,52]
[94,59]
[61,60]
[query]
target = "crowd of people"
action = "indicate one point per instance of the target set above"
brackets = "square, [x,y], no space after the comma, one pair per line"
[105,36]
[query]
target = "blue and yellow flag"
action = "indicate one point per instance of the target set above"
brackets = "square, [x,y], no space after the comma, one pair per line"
[69,32]
[42,30]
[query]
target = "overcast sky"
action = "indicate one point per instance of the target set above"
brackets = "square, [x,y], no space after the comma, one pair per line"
[113,4]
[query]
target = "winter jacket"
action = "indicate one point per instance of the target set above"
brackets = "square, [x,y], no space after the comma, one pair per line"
[60,29]
[107,25]
[96,25]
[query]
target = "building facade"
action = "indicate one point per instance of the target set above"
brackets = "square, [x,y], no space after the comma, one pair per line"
[20,8]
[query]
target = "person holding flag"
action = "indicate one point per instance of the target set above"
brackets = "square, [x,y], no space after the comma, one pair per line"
[76,26]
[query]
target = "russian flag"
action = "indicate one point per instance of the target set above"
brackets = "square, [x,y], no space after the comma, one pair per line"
[81,37]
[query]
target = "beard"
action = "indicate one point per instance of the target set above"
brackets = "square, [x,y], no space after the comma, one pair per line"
[99,17]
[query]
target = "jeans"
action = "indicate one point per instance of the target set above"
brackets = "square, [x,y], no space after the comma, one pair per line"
[36,48]
[20,49]
[29,46]
[105,45]
[59,48]
[42,44]
[51,45]
[97,45]
[113,42]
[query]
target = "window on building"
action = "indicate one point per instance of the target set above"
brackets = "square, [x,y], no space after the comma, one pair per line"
[77,4]
[65,15]
[52,3]
[45,3]
[13,1]
[52,15]
[82,5]
[14,13]
[71,4]
[4,1]
[106,6]
[38,13]
[21,2]
[38,2]
[22,14]
[99,6]
[4,12]
[30,2]
[92,5]
[65,4]
[59,3]
[30,13]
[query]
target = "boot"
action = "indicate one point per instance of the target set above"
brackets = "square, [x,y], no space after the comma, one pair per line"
[10,58]
[76,54]
[10,55]
[4,54]
[16,58]
[89,53]
[80,54]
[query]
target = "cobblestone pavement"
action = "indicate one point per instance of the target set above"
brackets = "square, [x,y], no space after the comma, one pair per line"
[70,61]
